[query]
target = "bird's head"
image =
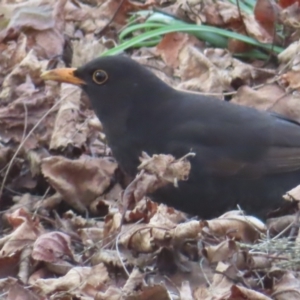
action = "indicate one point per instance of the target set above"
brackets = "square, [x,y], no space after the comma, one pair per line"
[114,84]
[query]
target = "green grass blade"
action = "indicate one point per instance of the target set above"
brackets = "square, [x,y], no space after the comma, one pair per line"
[198,30]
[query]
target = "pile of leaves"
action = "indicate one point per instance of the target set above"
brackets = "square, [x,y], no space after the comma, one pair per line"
[73,226]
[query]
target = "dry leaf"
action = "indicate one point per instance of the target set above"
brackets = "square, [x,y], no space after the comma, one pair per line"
[79,181]
[52,247]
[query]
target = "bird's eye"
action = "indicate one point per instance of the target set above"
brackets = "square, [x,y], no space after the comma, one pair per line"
[100,76]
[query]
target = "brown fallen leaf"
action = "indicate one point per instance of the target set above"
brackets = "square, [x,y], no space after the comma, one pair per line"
[218,289]
[42,25]
[293,194]
[135,289]
[240,292]
[171,45]
[156,171]
[220,252]
[269,97]
[79,181]
[288,288]
[280,224]
[291,79]
[266,14]
[69,129]
[26,230]
[197,72]
[78,281]
[52,247]
[19,292]
[246,228]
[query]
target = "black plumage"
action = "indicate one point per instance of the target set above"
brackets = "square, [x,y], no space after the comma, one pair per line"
[243,156]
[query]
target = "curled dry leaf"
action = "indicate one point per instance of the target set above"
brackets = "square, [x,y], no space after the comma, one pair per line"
[280,224]
[134,282]
[198,72]
[293,194]
[79,181]
[253,221]
[259,262]
[266,13]
[26,230]
[263,99]
[92,19]
[68,128]
[91,236]
[42,25]
[215,70]
[101,207]
[238,228]
[220,252]
[148,238]
[231,69]
[167,217]
[29,66]
[78,281]
[187,230]
[156,171]
[290,15]
[140,238]
[111,258]
[171,45]
[232,17]
[166,167]
[218,289]
[289,54]
[212,16]
[143,210]
[135,288]
[52,247]
[17,291]
[25,105]
[240,260]
[240,292]
[287,288]
[34,158]
[18,216]
[112,225]
[291,79]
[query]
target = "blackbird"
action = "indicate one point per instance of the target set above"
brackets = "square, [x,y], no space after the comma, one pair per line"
[243,156]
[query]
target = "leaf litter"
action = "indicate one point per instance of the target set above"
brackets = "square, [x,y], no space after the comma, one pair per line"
[72,225]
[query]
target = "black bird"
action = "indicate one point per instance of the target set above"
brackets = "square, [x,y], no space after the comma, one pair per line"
[243,156]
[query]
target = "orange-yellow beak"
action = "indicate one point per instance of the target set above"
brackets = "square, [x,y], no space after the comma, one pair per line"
[63,75]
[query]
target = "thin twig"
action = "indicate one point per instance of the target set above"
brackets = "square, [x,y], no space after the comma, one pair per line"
[102,30]
[241,16]
[26,138]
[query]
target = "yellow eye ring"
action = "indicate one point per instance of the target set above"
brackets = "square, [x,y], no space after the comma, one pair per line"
[100,76]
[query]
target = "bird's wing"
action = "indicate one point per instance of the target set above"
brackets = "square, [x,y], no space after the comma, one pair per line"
[283,155]
[242,143]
